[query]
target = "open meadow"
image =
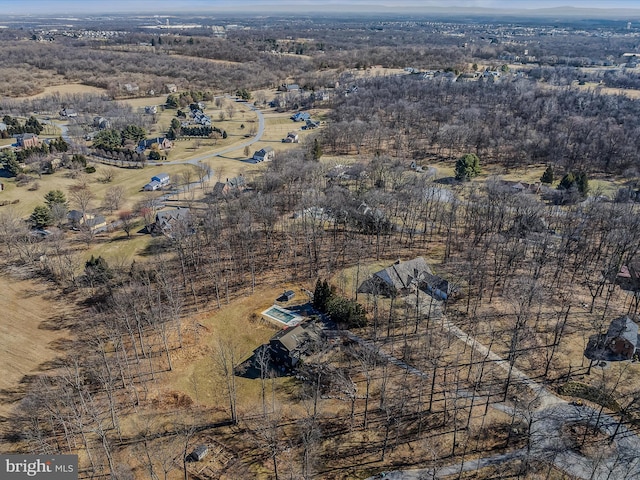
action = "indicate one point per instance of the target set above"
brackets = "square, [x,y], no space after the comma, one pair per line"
[32,332]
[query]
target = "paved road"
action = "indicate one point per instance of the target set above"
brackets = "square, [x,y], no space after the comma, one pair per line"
[64,129]
[231,148]
[548,441]
[455,469]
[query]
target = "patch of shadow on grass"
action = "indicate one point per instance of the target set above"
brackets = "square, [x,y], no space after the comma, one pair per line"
[58,322]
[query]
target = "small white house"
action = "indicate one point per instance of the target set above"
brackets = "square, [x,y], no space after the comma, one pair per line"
[292,137]
[162,178]
[152,186]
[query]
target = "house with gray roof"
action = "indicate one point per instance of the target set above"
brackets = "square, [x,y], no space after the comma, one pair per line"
[172,222]
[289,345]
[264,155]
[231,186]
[399,278]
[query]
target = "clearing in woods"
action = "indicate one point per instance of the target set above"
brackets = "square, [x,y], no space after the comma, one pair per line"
[28,329]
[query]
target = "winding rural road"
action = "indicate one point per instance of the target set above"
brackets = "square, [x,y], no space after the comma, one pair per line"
[64,129]
[215,153]
[231,148]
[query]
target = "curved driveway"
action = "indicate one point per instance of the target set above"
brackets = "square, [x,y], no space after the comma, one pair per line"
[547,441]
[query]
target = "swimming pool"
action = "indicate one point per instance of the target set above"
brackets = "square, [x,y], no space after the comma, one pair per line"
[282,315]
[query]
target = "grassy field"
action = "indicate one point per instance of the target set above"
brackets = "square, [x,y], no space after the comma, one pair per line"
[237,323]
[69,88]
[25,342]
[115,247]
[132,180]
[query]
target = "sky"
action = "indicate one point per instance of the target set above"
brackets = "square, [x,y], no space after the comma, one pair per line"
[70,7]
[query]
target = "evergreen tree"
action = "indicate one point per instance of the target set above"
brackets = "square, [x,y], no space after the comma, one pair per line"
[346,311]
[55,197]
[567,182]
[107,140]
[316,150]
[32,125]
[548,176]
[582,183]
[134,133]
[172,101]
[41,216]
[321,295]
[467,167]
[11,163]
[97,270]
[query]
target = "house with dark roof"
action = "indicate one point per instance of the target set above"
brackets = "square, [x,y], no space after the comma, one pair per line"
[264,155]
[289,345]
[628,278]
[162,178]
[27,140]
[292,137]
[437,287]
[96,223]
[230,186]
[92,222]
[310,124]
[168,222]
[622,337]
[289,87]
[157,182]
[152,186]
[300,117]
[75,217]
[198,453]
[163,144]
[68,112]
[101,123]
[400,278]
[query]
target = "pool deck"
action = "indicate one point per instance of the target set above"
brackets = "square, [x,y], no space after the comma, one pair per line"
[294,320]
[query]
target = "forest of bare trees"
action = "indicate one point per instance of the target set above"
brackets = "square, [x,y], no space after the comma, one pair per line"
[518,262]
[513,122]
[534,278]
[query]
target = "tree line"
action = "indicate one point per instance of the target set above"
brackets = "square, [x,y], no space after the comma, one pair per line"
[513,122]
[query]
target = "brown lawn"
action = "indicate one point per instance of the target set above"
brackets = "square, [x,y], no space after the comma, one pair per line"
[196,373]
[68,88]
[30,315]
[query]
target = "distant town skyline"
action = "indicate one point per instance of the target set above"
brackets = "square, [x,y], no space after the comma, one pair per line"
[71,7]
